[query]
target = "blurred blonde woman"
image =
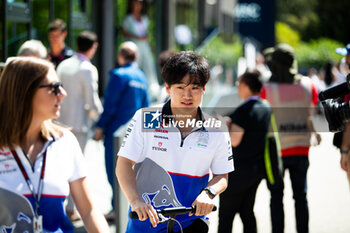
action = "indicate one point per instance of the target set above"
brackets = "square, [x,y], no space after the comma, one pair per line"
[43,161]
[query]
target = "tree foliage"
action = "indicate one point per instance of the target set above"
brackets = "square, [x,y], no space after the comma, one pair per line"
[285,34]
[218,51]
[316,18]
[334,20]
[316,53]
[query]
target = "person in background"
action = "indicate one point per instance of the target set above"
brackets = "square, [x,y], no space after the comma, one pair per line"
[126,92]
[174,162]
[248,127]
[58,49]
[30,48]
[80,79]
[345,148]
[343,65]
[291,96]
[43,161]
[162,59]
[320,85]
[135,28]
[82,106]
[33,48]
[345,140]
[314,76]
[330,73]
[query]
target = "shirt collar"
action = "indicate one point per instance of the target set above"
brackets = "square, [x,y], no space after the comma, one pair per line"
[82,57]
[252,98]
[130,64]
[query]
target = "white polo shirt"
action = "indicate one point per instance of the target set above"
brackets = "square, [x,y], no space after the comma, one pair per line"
[171,171]
[64,164]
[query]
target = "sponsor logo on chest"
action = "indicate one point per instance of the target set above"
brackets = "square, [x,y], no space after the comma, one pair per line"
[6,168]
[159,147]
[203,138]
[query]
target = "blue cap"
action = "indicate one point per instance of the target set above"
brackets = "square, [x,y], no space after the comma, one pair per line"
[344,51]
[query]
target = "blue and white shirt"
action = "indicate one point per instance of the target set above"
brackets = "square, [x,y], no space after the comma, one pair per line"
[64,164]
[172,171]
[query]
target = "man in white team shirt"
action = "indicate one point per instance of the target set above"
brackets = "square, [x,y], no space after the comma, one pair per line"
[174,148]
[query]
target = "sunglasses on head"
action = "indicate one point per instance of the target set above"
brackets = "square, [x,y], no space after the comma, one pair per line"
[54,87]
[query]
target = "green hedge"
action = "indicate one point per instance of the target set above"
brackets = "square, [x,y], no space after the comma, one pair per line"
[314,53]
[226,53]
[317,52]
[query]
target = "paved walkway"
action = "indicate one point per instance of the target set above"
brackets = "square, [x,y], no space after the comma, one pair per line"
[329,199]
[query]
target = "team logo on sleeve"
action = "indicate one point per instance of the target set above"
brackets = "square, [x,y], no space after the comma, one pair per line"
[151,119]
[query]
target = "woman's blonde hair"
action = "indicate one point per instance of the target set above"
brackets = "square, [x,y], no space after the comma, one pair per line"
[19,82]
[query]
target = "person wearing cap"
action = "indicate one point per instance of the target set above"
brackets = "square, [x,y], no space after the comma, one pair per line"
[291,95]
[343,65]
[345,52]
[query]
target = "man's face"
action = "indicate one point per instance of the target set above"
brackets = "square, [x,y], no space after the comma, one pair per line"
[94,49]
[56,37]
[185,97]
[241,86]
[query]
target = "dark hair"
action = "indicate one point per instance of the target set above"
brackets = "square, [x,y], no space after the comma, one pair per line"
[57,24]
[252,79]
[130,5]
[328,75]
[19,82]
[183,63]
[86,40]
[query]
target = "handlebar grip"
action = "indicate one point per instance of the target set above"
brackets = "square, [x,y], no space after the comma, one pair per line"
[166,211]
[194,209]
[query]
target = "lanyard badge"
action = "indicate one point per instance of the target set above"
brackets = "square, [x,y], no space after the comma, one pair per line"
[38,219]
[38,224]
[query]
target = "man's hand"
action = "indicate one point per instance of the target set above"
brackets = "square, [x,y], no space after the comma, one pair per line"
[98,134]
[344,160]
[145,211]
[317,139]
[204,204]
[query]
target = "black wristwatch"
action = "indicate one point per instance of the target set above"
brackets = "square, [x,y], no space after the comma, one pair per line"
[211,191]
